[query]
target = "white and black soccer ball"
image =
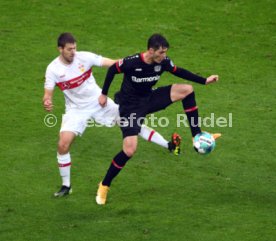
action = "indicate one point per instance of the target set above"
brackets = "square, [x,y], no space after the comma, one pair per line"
[204,143]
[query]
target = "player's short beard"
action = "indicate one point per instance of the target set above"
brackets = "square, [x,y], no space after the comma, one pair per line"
[67,59]
[157,60]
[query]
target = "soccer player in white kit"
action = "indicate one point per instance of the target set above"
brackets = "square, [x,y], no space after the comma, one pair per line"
[71,71]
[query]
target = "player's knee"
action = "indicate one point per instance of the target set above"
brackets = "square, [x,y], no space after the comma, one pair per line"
[190,89]
[130,150]
[186,90]
[63,146]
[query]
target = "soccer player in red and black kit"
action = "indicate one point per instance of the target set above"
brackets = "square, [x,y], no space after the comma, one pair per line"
[137,98]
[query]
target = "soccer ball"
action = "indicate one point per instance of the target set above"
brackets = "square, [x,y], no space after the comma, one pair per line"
[204,143]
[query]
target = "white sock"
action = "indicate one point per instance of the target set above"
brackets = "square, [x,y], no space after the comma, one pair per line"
[64,164]
[153,136]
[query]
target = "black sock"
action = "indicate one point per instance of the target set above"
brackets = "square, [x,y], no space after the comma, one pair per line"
[116,166]
[191,111]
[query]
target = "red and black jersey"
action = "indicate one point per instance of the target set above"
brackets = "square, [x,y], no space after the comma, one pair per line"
[140,77]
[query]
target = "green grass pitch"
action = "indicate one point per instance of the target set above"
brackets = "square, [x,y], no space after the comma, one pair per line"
[229,195]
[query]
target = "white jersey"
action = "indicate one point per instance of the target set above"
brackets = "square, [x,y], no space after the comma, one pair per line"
[75,80]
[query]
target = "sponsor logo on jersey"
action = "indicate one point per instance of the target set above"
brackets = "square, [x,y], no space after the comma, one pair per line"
[138,69]
[65,85]
[157,68]
[145,79]
[76,82]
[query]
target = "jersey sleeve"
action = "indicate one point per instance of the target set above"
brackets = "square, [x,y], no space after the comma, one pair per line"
[93,59]
[183,73]
[50,79]
[169,65]
[121,65]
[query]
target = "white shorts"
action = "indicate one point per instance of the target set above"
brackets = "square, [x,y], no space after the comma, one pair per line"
[76,120]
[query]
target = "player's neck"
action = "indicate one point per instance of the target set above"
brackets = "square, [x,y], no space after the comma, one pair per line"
[147,57]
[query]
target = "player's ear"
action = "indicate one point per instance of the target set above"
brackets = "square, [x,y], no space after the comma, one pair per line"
[60,49]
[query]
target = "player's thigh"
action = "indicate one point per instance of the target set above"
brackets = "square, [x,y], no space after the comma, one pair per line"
[131,119]
[75,121]
[160,99]
[107,115]
[180,91]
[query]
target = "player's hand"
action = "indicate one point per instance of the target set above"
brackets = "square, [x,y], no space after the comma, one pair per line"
[48,105]
[102,100]
[212,79]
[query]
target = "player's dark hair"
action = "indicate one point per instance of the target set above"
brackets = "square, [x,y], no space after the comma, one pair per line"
[64,39]
[156,41]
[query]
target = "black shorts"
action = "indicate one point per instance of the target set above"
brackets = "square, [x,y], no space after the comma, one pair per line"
[133,113]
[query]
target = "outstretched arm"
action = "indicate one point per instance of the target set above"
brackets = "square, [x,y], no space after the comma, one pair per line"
[108,79]
[108,62]
[185,74]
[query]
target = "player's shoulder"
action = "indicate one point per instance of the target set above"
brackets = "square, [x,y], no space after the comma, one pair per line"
[54,64]
[168,61]
[132,57]
[84,54]
[130,60]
